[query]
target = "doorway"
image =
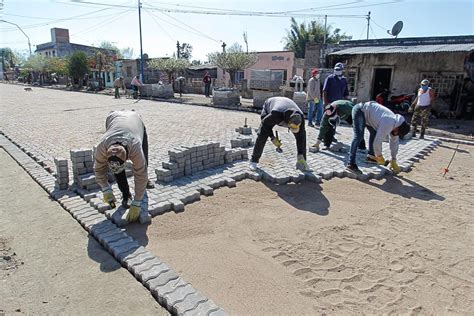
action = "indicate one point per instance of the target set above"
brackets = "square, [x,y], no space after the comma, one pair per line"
[382,78]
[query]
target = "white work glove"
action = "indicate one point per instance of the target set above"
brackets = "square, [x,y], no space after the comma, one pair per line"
[109,197]
[134,211]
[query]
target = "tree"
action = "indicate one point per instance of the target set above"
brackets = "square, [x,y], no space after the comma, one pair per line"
[9,57]
[233,60]
[113,48]
[168,65]
[37,63]
[127,52]
[299,34]
[78,65]
[185,50]
[101,62]
[196,62]
[57,65]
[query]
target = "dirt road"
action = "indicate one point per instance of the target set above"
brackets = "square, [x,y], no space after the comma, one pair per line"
[49,264]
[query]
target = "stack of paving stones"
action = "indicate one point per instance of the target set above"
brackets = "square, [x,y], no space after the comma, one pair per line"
[244,130]
[166,286]
[188,160]
[242,142]
[62,173]
[83,169]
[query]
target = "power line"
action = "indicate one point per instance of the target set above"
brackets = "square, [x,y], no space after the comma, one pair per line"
[75,18]
[159,25]
[383,28]
[95,26]
[373,33]
[192,28]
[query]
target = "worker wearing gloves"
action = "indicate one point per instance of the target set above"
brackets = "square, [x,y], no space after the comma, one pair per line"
[335,112]
[125,139]
[283,112]
[381,122]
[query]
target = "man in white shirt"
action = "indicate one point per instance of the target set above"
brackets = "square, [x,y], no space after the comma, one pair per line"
[422,107]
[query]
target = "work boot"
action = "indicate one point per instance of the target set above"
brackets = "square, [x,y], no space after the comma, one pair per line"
[126,200]
[353,168]
[150,185]
[422,133]
[413,131]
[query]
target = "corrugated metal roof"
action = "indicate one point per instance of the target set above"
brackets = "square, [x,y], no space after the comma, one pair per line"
[405,49]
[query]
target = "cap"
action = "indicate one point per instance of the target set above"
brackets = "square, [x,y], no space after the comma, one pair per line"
[117,151]
[403,129]
[294,123]
[330,110]
[314,71]
[339,66]
[424,82]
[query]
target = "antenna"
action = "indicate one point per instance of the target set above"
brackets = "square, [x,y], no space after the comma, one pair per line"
[396,29]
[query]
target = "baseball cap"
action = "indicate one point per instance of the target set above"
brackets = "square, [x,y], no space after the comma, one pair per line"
[339,66]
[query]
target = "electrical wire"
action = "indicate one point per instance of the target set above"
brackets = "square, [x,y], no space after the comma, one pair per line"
[192,28]
[381,27]
[373,33]
[155,19]
[96,26]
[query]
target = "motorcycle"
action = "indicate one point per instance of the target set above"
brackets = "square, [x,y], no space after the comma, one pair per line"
[398,104]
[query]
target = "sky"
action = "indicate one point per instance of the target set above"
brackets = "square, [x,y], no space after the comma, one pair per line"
[165,22]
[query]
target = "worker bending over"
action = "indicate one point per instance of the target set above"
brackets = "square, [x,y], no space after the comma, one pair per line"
[125,138]
[283,112]
[381,122]
[335,112]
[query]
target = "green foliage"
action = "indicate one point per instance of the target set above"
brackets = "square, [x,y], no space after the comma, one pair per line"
[78,65]
[299,34]
[57,65]
[108,45]
[37,63]
[10,58]
[168,65]
[185,51]
[233,60]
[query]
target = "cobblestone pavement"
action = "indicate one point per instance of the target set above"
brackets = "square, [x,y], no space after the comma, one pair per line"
[49,123]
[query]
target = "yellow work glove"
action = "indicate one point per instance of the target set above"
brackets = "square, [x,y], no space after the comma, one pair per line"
[394,166]
[316,100]
[109,197]
[276,142]
[380,160]
[134,211]
[301,163]
[316,146]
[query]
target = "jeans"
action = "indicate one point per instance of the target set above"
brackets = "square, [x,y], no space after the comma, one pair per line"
[358,126]
[319,111]
[121,177]
[117,93]
[207,89]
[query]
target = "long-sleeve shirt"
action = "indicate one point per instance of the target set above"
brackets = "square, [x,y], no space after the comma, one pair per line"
[118,83]
[136,82]
[343,109]
[313,89]
[124,127]
[384,122]
[335,88]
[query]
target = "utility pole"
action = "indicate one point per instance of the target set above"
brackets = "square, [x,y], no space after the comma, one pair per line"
[29,44]
[141,46]
[246,42]
[223,47]
[177,48]
[368,24]
[322,60]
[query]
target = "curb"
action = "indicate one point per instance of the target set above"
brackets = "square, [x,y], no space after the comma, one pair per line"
[166,286]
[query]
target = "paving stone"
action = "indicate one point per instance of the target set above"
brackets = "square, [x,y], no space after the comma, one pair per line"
[134,259]
[178,295]
[191,302]
[158,283]
[203,309]
[149,269]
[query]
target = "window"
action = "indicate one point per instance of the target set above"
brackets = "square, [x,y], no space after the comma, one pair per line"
[442,83]
[352,80]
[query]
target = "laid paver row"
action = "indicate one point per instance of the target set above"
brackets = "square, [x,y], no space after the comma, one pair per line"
[169,289]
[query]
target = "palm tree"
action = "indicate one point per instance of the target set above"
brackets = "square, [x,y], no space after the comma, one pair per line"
[299,34]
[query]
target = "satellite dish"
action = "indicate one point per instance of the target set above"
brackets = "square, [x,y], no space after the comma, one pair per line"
[396,29]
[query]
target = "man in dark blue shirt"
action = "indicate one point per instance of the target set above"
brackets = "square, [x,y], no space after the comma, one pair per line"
[335,86]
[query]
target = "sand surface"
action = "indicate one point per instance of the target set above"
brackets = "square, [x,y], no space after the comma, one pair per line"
[396,245]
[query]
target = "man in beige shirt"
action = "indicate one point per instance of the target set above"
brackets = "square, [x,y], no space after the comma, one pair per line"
[118,83]
[313,98]
[125,139]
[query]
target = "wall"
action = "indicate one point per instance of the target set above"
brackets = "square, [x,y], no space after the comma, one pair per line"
[407,69]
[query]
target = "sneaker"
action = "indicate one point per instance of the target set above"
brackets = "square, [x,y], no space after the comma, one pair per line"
[253,166]
[353,168]
[371,159]
[310,124]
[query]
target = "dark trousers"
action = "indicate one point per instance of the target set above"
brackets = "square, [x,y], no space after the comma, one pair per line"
[121,177]
[207,89]
[358,125]
[265,132]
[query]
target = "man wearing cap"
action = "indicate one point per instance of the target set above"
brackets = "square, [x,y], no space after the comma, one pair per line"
[125,139]
[118,83]
[335,86]
[335,112]
[422,107]
[381,122]
[313,98]
[283,112]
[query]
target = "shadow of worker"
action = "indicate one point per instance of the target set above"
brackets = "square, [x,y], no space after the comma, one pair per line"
[305,196]
[406,188]
[114,233]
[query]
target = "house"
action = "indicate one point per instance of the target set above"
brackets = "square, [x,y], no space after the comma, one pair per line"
[60,46]
[399,65]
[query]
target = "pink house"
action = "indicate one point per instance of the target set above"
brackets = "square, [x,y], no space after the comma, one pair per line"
[272,60]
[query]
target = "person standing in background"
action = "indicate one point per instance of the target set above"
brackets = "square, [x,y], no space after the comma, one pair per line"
[313,98]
